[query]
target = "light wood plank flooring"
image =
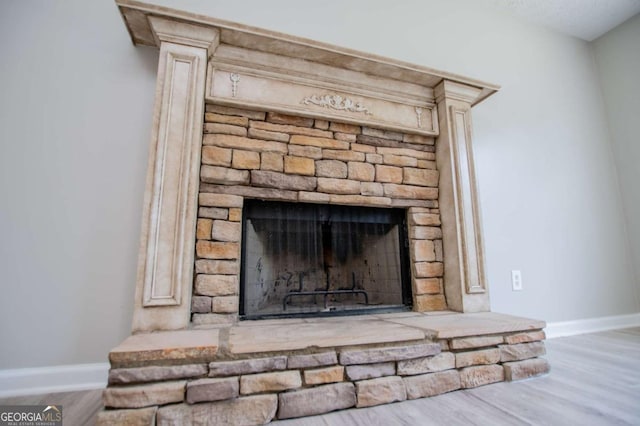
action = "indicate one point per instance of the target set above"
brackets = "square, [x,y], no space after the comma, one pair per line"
[594,380]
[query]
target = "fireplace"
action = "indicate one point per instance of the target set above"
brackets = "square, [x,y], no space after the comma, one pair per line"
[311,259]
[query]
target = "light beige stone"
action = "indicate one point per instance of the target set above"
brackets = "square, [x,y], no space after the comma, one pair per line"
[321,124]
[224,175]
[423,250]
[200,304]
[431,364]
[399,160]
[532,336]
[424,232]
[368,149]
[332,154]
[370,371]
[380,391]
[224,304]
[134,417]
[338,186]
[267,135]
[359,200]
[427,164]
[373,158]
[220,200]
[430,302]
[217,250]
[212,117]
[235,214]
[253,115]
[439,249]
[223,230]
[519,370]
[305,151]
[312,360]
[313,197]
[521,351]
[208,321]
[316,400]
[384,134]
[471,377]
[432,384]
[406,152]
[347,137]
[388,174]
[272,161]
[207,390]
[282,180]
[325,375]
[392,353]
[318,142]
[247,144]
[126,376]
[361,171]
[254,191]
[213,213]
[216,285]
[344,128]
[250,410]
[293,130]
[270,382]
[428,269]
[427,285]
[331,169]
[475,342]
[299,166]
[224,267]
[203,229]
[144,395]
[410,191]
[294,120]
[421,177]
[227,129]
[371,189]
[481,357]
[247,366]
[421,139]
[215,156]
[247,160]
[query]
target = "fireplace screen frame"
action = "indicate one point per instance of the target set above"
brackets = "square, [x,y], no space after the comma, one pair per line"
[400,219]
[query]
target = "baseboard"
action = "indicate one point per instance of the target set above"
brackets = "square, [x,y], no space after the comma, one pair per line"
[591,325]
[39,380]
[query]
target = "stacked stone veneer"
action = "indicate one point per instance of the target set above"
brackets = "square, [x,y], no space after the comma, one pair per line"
[296,159]
[257,390]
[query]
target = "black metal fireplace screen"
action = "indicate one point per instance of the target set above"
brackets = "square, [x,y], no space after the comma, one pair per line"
[310,259]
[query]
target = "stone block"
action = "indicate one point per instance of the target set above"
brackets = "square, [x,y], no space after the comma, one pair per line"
[325,375]
[532,336]
[299,166]
[251,410]
[432,384]
[292,130]
[294,120]
[282,181]
[224,304]
[267,135]
[437,245]
[203,229]
[367,149]
[383,134]
[370,371]
[425,232]
[521,351]
[272,161]
[380,391]
[519,370]
[321,124]
[421,139]
[428,285]
[316,400]
[253,115]
[338,186]
[406,152]
[127,376]
[215,156]
[312,360]
[344,128]
[213,320]
[216,285]
[399,202]
[247,144]
[430,302]
[388,174]
[472,377]
[305,151]
[200,304]
[420,177]
[391,353]
[423,250]
[332,154]
[144,395]
[475,342]
[427,164]
[371,189]
[219,200]
[223,230]
[362,172]
[227,129]
[252,192]
[347,137]
[224,175]
[247,366]
[373,158]
[428,269]
[235,214]
[208,390]
[270,382]
[331,169]
[217,250]
[245,160]
[318,142]
[313,197]
[431,364]
[399,160]
[135,417]
[410,191]
[212,117]
[213,213]
[359,200]
[481,357]
[224,267]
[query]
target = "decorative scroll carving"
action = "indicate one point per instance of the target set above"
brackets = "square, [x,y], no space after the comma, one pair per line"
[336,102]
[419,116]
[235,79]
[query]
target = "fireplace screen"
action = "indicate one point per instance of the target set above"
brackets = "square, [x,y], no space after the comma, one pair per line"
[308,259]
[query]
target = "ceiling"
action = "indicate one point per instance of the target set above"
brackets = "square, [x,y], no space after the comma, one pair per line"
[585,19]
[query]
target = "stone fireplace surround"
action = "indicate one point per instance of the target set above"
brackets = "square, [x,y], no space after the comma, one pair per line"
[294,120]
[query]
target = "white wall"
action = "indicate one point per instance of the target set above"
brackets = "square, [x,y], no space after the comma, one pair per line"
[75,116]
[617,55]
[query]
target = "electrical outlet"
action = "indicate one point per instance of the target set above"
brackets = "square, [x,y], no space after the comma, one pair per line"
[516,280]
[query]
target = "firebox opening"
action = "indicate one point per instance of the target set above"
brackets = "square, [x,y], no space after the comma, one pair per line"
[313,260]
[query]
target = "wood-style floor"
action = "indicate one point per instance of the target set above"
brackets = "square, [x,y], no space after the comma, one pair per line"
[594,380]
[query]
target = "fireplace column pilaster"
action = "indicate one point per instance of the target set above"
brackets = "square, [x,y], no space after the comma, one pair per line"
[464,279]
[166,257]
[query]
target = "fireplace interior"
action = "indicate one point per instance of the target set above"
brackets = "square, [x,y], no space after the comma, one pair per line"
[308,259]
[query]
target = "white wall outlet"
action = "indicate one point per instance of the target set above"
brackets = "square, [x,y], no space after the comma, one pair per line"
[516,280]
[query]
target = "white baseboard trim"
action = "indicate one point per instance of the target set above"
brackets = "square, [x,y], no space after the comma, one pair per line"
[65,378]
[591,325]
